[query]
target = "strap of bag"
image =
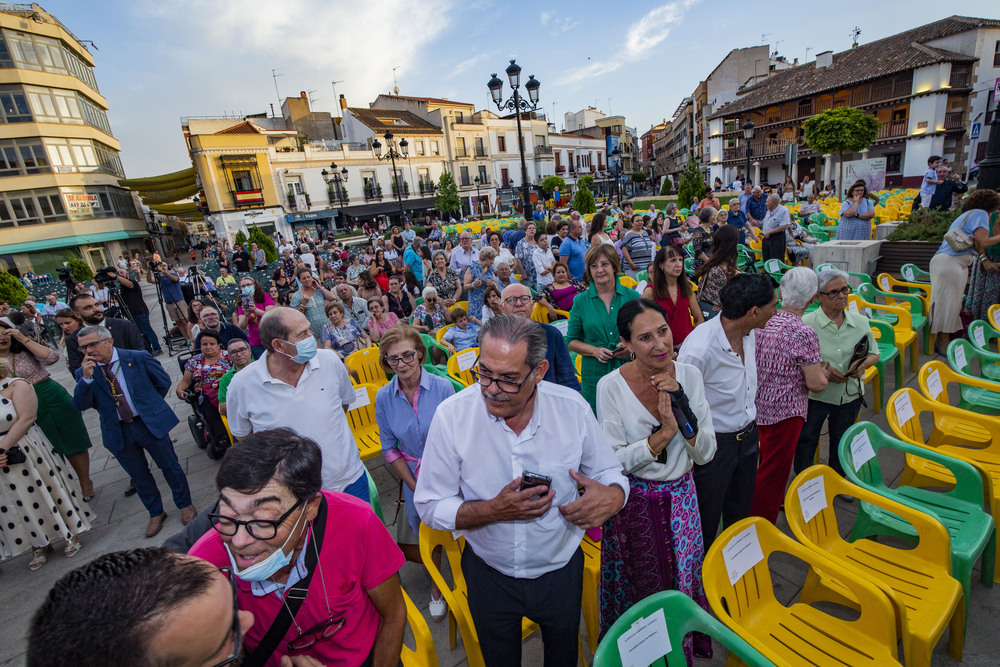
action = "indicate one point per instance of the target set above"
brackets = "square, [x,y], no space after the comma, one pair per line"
[294,598]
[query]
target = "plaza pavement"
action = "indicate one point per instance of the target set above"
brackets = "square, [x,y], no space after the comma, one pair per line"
[120,524]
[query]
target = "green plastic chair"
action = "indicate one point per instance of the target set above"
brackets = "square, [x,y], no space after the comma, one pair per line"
[913,274]
[682,615]
[684,212]
[776,268]
[912,302]
[373,497]
[642,275]
[960,510]
[961,353]
[821,234]
[887,351]
[984,400]
[863,277]
[689,267]
[430,344]
[441,371]
[983,336]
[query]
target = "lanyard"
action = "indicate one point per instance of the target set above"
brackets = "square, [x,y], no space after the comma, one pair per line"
[111,385]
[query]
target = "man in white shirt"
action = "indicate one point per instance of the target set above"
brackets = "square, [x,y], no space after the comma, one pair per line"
[354,307]
[464,255]
[294,385]
[522,555]
[285,245]
[723,349]
[543,259]
[52,304]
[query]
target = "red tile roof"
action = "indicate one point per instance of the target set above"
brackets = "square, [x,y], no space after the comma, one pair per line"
[430,100]
[246,127]
[408,122]
[891,55]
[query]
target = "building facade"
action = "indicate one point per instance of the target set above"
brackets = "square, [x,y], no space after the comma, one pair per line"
[59,163]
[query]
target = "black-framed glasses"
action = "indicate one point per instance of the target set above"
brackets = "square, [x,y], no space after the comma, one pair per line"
[237,634]
[843,291]
[506,386]
[405,358]
[317,633]
[259,529]
[515,300]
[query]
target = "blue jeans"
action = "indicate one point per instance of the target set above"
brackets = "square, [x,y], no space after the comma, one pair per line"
[359,489]
[146,329]
[133,459]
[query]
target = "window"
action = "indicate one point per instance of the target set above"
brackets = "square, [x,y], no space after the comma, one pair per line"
[435,149]
[893,163]
[23,156]
[54,105]
[996,55]
[480,149]
[294,184]
[501,143]
[83,156]
[31,207]
[14,106]
[96,202]
[460,147]
[242,180]
[464,171]
[43,54]
[504,177]
[459,117]
[418,147]
[483,180]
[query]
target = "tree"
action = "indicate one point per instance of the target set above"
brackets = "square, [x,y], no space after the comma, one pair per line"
[583,201]
[639,176]
[585,182]
[240,238]
[691,187]
[840,130]
[81,270]
[446,199]
[11,289]
[551,183]
[667,186]
[264,242]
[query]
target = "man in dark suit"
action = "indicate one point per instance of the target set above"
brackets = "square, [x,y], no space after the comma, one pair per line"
[127,389]
[126,334]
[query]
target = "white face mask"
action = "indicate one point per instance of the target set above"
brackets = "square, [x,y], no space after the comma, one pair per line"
[266,568]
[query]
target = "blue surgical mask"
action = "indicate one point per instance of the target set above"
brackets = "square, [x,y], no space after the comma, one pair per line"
[305,350]
[266,568]
[247,290]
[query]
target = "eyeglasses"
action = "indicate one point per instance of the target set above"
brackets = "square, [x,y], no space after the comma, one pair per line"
[405,358]
[91,346]
[316,633]
[514,300]
[237,635]
[506,386]
[843,291]
[239,350]
[259,529]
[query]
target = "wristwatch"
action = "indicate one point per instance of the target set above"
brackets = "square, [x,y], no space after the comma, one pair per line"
[662,456]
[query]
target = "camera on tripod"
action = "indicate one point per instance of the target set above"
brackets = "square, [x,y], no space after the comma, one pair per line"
[66,275]
[106,277]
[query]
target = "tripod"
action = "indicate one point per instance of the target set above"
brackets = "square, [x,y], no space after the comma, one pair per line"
[171,342]
[120,310]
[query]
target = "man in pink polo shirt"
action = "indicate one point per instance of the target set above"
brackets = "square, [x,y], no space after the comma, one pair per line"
[283,536]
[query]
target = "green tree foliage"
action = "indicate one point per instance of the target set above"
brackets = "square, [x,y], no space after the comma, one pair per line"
[583,201]
[551,183]
[240,238]
[11,289]
[924,225]
[264,242]
[840,130]
[446,199]
[639,176]
[585,182]
[691,187]
[81,271]
[667,187]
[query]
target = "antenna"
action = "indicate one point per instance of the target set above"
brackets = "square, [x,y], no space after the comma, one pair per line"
[808,49]
[763,37]
[336,100]
[609,107]
[395,85]
[275,75]
[553,113]
[776,46]
[312,99]
[854,36]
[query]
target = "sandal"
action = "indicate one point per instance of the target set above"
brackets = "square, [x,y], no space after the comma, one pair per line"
[438,608]
[73,547]
[41,557]
[87,497]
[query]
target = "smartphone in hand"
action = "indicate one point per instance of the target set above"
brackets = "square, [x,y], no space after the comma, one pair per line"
[533,479]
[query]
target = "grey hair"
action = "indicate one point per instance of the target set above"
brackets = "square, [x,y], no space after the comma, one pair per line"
[798,287]
[773,197]
[303,247]
[102,333]
[706,214]
[429,291]
[757,188]
[487,253]
[274,326]
[671,207]
[434,257]
[513,329]
[500,261]
[829,274]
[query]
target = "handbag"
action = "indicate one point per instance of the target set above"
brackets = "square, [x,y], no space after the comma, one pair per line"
[957,239]
[15,455]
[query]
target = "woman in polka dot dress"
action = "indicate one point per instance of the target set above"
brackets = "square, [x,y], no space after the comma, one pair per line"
[37,502]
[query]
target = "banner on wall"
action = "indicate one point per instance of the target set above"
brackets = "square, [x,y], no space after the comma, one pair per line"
[871,171]
[77,202]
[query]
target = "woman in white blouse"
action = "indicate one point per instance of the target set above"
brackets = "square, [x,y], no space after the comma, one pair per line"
[654,413]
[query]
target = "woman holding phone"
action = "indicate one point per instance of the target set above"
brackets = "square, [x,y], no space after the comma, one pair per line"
[250,308]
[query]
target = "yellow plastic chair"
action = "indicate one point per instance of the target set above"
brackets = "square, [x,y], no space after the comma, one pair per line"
[578,363]
[906,337]
[465,377]
[561,313]
[440,332]
[464,305]
[917,580]
[225,422]
[627,281]
[888,284]
[993,315]
[366,364]
[423,653]
[364,427]
[540,313]
[591,589]
[798,634]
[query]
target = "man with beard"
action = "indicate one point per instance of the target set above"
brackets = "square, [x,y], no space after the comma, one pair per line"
[126,334]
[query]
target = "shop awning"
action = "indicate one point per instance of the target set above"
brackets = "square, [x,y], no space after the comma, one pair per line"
[69,241]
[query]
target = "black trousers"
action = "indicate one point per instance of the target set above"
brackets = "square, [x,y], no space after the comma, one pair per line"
[725,484]
[498,603]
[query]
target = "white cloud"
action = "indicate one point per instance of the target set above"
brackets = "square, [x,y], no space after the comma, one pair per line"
[546,17]
[641,38]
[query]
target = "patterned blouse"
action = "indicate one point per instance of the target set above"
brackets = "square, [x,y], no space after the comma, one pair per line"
[25,365]
[524,252]
[712,284]
[206,378]
[701,241]
[343,339]
[783,347]
[420,313]
[445,286]
[561,298]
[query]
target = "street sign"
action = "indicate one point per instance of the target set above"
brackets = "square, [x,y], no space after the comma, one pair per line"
[996,90]
[974,133]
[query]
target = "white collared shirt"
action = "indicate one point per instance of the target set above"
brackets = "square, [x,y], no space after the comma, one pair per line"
[730,382]
[471,455]
[115,363]
[256,401]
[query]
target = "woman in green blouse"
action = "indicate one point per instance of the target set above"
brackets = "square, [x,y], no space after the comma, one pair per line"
[593,320]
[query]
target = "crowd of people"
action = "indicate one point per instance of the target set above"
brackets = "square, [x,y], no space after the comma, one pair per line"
[689,412]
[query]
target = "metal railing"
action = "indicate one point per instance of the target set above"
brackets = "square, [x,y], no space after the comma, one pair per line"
[480,152]
[892,128]
[954,120]
[960,79]
[543,150]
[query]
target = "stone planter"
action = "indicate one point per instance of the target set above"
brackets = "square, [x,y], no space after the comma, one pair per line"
[896,253]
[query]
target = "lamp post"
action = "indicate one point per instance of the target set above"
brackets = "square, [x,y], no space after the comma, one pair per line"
[338,178]
[391,154]
[476,179]
[748,135]
[616,166]
[517,104]
[652,173]
[989,168]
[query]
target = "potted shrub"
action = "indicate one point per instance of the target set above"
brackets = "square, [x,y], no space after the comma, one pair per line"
[915,240]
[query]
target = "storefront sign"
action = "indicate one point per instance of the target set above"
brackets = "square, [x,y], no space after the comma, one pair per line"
[77,202]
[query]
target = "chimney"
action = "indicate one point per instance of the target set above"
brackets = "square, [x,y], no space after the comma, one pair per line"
[302,94]
[824,60]
[343,102]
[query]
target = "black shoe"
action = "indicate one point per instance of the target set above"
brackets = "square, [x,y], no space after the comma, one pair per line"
[157,353]
[130,491]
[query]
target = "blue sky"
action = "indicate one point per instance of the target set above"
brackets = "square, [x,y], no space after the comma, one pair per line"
[159,61]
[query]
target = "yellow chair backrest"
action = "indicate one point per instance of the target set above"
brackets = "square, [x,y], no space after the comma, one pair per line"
[460,363]
[365,362]
[627,281]
[540,313]
[441,332]
[464,305]
[904,322]
[952,426]
[579,367]
[423,653]
[994,316]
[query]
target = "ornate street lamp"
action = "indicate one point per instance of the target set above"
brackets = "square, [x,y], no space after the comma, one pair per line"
[748,135]
[476,179]
[517,104]
[616,165]
[336,181]
[391,154]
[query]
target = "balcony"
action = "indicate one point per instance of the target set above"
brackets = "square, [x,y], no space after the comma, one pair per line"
[466,121]
[426,188]
[341,198]
[292,202]
[560,169]
[242,198]
[461,152]
[406,190]
[893,128]
[543,150]
[484,181]
[373,192]
[960,79]
[954,120]
[480,152]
